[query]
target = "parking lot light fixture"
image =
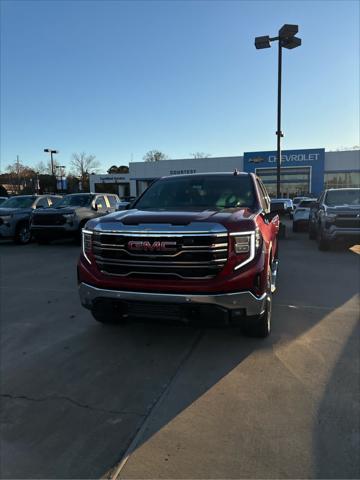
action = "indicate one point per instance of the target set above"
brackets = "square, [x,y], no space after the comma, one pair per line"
[51,151]
[286,39]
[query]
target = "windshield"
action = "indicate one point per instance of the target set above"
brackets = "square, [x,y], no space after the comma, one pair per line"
[343,197]
[74,201]
[18,202]
[306,203]
[199,192]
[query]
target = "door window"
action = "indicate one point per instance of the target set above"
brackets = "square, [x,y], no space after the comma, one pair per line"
[100,203]
[112,201]
[42,203]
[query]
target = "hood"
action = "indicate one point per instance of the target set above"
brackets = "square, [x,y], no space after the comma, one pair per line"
[14,211]
[52,211]
[229,218]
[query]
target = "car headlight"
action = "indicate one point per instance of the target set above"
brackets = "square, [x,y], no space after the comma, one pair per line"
[87,243]
[330,216]
[70,217]
[6,218]
[246,245]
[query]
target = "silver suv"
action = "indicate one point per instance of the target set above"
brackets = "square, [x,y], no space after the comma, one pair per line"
[70,215]
[15,215]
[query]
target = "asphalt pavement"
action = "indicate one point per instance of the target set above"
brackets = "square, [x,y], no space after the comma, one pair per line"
[151,400]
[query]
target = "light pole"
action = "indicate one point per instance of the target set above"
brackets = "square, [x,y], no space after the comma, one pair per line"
[286,38]
[51,151]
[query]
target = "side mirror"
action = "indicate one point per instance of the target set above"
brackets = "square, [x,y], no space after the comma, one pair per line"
[123,206]
[94,206]
[277,208]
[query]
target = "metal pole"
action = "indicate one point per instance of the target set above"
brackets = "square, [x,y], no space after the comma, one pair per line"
[279,132]
[52,162]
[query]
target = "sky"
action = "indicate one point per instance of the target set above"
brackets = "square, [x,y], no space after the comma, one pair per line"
[118,78]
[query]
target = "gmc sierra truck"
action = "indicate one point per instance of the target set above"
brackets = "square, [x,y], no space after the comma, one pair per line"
[189,246]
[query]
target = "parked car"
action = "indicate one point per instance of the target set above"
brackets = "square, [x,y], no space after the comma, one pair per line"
[336,216]
[191,245]
[70,214]
[302,213]
[297,200]
[16,212]
[3,199]
[289,207]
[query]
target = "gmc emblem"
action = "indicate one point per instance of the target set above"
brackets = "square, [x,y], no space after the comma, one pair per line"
[156,246]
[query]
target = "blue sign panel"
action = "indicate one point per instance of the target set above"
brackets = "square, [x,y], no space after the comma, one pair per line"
[295,164]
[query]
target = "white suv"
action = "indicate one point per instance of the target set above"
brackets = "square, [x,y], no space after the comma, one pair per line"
[302,213]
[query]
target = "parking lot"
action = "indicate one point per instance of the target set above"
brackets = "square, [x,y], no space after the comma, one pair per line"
[175,401]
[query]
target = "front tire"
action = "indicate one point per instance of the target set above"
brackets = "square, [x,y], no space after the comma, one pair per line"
[22,234]
[260,326]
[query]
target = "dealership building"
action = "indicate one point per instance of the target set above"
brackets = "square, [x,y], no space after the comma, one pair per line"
[303,172]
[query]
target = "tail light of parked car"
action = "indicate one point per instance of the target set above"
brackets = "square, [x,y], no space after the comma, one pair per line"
[245,246]
[87,244]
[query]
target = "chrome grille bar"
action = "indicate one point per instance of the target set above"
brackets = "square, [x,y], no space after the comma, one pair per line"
[198,255]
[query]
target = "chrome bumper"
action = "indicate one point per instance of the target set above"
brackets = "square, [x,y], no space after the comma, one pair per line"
[230,301]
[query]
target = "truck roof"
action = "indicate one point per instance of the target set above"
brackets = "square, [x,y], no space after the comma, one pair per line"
[199,174]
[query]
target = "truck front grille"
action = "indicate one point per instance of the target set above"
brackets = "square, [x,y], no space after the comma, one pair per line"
[48,219]
[347,221]
[186,256]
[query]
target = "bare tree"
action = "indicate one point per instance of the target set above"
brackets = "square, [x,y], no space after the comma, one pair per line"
[200,155]
[19,176]
[45,168]
[154,156]
[82,166]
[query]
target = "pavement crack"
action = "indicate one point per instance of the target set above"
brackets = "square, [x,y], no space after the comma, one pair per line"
[47,398]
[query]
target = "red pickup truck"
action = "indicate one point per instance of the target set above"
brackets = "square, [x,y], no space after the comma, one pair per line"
[189,246]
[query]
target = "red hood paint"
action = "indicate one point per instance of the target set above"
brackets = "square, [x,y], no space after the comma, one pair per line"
[231,219]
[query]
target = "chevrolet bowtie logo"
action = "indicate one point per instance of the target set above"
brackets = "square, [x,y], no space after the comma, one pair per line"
[257,160]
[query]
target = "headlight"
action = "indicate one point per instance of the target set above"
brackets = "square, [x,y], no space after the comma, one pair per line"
[6,218]
[87,243]
[330,216]
[242,244]
[246,244]
[70,217]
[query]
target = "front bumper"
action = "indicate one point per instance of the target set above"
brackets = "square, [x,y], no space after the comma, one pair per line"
[240,301]
[54,230]
[334,233]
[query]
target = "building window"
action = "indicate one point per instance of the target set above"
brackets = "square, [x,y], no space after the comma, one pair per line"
[342,179]
[294,180]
